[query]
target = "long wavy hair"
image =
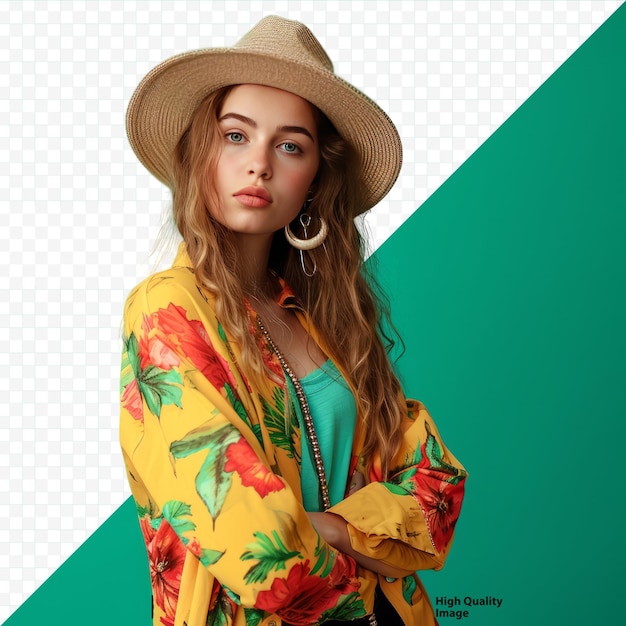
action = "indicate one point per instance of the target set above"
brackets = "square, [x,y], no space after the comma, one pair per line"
[353,324]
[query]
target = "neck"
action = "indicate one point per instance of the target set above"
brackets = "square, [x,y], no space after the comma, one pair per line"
[253,253]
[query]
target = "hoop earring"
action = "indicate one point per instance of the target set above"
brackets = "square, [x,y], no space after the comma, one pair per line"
[307,244]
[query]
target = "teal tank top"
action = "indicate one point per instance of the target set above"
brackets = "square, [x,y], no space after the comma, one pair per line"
[333,410]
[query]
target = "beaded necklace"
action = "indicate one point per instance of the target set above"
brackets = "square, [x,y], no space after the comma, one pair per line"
[306,416]
[310,430]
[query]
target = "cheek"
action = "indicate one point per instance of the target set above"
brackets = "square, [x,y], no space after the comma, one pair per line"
[300,181]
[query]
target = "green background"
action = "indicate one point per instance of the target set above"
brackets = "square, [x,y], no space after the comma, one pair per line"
[507,287]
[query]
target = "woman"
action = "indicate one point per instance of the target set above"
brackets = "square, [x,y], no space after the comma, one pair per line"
[280,475]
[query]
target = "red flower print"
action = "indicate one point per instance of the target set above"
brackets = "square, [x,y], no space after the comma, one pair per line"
[146,529]
[194,547]
[343,575]
[270,360]
[152,348]
[287,296]
[131,400]
[253,473]
[166,555]
[195,344]
[441,504]
[215,592]
[168,333]
[301,599]
[161,355]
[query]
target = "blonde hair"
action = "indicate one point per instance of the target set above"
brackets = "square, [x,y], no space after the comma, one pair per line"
[351,325]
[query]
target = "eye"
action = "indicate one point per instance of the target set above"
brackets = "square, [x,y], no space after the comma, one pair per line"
[290,148]
[235,137]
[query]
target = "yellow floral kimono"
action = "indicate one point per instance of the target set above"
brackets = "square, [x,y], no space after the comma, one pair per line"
[214,467]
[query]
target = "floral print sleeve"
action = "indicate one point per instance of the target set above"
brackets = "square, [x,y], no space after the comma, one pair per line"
[227,538]
[408,521]
[417,507]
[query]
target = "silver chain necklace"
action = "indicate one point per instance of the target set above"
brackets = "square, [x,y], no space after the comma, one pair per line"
[306,416]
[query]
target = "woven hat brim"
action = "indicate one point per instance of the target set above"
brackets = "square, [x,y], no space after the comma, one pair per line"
[164,102]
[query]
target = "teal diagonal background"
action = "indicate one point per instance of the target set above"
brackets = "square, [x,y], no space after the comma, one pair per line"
[508,288]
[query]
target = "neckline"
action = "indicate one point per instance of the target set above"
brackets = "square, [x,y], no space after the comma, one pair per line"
[319,372]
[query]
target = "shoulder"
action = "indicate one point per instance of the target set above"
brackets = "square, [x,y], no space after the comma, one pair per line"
[175,287]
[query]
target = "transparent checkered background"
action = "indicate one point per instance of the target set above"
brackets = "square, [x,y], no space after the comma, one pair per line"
[79,215]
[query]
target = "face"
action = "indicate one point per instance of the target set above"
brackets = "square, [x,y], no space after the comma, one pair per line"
[269,158]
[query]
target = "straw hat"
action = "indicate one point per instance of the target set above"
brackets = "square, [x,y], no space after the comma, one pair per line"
[278,53]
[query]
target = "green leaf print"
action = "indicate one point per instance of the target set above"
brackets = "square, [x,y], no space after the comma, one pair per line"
[176,512]
[395,489]
[279,400]
[212,481]
[160,387]
[142,511]
[222,333]
[194,441]
[433,449]
[455,480]
[326,559]
[282,431]
[209,557]
[127,374]
[130,356]
[409,585]
[236,404]
[222,614]
[270,557]
[200,439]
[347,608]
[258,433]
[253,616]
[403,480]
[231,594]
[434,454]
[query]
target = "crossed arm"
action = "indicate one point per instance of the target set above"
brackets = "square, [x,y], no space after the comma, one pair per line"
[334,530]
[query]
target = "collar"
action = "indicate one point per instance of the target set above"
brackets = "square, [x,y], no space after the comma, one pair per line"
[287,298]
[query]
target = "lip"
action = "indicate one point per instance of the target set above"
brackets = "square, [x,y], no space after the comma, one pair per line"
[254,196]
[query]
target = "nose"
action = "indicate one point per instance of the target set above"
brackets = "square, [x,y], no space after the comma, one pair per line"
[260,162]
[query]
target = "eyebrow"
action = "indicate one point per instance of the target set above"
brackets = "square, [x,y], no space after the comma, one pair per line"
[246,120]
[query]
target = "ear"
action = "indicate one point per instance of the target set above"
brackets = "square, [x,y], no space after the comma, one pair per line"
[313,188]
